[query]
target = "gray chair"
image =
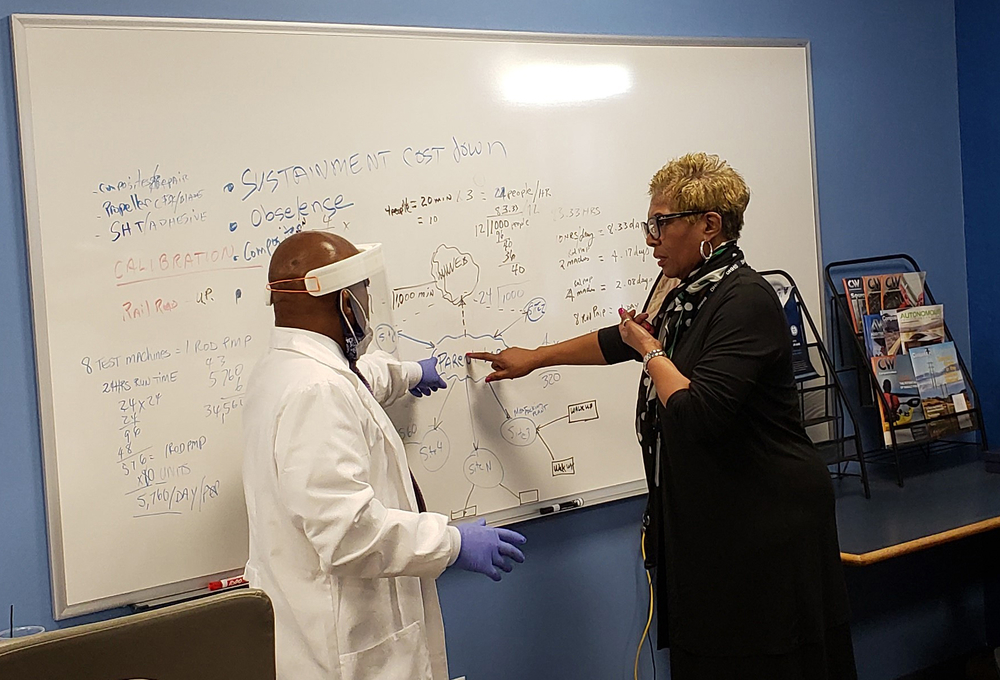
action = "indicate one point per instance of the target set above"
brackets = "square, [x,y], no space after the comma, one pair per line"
[230,635]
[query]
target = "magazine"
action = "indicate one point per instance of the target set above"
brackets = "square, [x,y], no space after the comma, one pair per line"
[911,408]
[942,387]
[900,291]
[890,331]
[920,326]
[893,291]
[873,293]
[911,287]
[902,398]
[874,335]
[854,289]
[801,365]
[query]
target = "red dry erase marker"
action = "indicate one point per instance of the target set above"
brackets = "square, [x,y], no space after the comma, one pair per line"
[227,583]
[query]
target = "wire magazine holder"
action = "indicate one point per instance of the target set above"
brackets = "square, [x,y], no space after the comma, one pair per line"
[896,440]
[826,410]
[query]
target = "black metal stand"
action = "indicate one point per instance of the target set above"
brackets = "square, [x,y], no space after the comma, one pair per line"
[823,402]
[853,366]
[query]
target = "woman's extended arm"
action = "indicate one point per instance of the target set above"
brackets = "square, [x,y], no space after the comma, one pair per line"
[515,362]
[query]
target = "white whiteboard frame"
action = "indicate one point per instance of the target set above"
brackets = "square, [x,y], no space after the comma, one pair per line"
[20,23]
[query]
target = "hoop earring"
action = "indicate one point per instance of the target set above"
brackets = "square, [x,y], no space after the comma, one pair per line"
[701,250]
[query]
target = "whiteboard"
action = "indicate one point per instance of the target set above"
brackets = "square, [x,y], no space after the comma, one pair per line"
[505,175]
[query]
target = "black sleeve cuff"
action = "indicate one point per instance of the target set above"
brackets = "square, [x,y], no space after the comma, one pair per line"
[613,348]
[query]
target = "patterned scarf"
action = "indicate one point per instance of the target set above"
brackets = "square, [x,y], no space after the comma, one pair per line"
[674,317]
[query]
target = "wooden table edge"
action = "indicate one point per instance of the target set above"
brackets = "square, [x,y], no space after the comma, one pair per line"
[922,543]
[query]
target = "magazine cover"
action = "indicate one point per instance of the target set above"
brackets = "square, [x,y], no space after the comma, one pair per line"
[854,289]
[874,335]
[942,387]
[890,331]
[873,293]
[903,405]
[911,410]
[901,290]
[898,291]
[911,288]
[892,293]
[921,326]
[801,365]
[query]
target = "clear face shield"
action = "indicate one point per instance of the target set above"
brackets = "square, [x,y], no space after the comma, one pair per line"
[363,277]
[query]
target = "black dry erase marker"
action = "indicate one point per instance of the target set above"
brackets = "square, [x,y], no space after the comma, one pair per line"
[565,505]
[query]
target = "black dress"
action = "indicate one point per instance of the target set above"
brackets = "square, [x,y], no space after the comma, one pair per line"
[744,537]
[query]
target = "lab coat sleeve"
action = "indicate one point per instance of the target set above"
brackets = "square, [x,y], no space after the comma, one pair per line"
[389,378]
[323,463]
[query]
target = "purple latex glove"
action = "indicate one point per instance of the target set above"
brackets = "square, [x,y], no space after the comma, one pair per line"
[430,381]
[486,549]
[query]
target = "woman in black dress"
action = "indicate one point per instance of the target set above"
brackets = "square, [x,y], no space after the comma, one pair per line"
[741,530]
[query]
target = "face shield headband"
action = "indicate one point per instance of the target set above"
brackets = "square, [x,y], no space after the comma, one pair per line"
[338,275]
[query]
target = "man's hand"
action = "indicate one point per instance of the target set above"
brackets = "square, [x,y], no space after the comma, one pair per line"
[487,550]
[430,381]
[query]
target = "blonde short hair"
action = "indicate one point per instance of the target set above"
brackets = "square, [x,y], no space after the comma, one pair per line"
[701,181]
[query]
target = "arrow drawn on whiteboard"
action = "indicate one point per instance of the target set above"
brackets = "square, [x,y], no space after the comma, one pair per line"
[551,422]
[499,332]
[545,445]
[472,418]
[450,389]
[500,402]
[419,342]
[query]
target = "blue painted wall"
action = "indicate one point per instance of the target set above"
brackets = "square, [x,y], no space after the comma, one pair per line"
[977,26]
[977,23]
[889,168]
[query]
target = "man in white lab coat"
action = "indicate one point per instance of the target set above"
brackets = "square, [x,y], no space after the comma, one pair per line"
[337,540]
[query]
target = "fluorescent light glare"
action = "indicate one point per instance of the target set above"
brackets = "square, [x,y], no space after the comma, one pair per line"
[564,83]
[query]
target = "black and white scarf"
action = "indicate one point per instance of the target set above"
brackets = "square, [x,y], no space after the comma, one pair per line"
[674,317]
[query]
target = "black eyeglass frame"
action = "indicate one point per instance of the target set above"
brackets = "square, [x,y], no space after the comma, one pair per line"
[657,222]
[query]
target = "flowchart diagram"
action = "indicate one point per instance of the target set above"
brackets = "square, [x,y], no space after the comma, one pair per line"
[470,426]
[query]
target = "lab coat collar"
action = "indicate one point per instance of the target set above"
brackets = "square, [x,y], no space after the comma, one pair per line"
[313,345]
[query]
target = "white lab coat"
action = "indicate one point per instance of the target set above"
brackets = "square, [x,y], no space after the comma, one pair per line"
[335,537]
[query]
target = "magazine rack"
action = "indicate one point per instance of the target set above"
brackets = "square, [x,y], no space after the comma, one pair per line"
[854,367]
[823,402]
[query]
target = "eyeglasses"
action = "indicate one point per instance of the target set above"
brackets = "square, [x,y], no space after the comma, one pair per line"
[657,223]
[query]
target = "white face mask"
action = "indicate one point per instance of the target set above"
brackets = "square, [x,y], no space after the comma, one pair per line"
[356,341]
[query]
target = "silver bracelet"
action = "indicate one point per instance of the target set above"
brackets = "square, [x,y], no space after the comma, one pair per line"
[652,354]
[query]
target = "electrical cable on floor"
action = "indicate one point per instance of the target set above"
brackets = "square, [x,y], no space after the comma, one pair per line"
[652,655]
[649,619]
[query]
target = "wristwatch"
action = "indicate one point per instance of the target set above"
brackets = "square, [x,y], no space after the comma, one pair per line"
[652,354]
